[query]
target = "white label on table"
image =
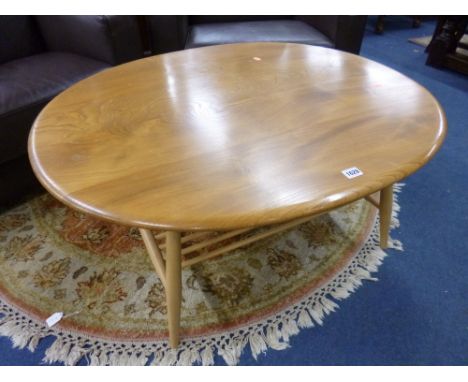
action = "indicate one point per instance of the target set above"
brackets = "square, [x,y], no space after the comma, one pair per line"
[352,172]
[52,320]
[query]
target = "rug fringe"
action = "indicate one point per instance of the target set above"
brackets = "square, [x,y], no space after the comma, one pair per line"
[207,356]
[273,338]
[257,344]
[70,348]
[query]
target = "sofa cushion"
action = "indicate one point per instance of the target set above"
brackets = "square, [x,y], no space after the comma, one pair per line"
[252,31]
[27,84]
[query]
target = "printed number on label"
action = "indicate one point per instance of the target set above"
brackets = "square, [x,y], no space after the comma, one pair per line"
[352,172]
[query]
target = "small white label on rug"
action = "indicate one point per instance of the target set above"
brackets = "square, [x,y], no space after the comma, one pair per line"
[52,320]
[352,172]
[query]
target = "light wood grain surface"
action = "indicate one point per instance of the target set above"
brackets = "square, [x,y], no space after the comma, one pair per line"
[232,136]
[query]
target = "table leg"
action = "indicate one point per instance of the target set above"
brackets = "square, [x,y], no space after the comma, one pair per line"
[385,209]
[169,272]
[174,285]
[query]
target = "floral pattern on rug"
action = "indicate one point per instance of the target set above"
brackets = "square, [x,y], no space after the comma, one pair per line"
[54,259]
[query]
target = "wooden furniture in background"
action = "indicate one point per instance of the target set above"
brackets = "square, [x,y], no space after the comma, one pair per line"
[230,138]
[442,50]
[379,25]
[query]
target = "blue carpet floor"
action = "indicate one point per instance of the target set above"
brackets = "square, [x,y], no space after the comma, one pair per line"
[417,313]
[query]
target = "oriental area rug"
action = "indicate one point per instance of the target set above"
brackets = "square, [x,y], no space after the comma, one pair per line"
[54,259]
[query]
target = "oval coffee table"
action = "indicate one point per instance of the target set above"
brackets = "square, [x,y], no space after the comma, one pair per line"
[229,138]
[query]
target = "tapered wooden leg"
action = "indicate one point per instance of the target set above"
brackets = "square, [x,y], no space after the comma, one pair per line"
[385,207]
[174,285]
[154,254]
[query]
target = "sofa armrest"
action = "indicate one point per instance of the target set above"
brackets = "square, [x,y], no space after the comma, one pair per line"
[112,39]
[346,32]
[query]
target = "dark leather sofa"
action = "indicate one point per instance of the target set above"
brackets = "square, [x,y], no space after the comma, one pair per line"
[171,33]
[40,56]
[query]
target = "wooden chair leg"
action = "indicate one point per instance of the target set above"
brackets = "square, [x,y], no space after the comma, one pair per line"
[386,203]
[174,285]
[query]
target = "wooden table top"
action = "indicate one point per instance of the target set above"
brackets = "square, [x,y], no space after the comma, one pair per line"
[232,136]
